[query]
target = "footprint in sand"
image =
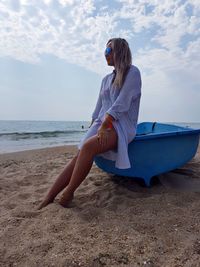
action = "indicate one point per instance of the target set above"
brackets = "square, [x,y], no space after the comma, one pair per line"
[23,182]
[72,263]
[105,199]
[12,222]
[41,190]
[24,195]
[57,227]
[196,247]
[89,213]
[101,199]
[9,163]
[10,206]
[107,259]
[25,214]
[91,177]
[39,246]
[98,183]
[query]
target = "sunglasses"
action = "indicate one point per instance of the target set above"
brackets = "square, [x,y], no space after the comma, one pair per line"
[108,51]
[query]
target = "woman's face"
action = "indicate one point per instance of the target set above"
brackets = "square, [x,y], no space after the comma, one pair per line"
[109,54]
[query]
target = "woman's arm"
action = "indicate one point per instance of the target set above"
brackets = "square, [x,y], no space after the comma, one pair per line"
[107,123]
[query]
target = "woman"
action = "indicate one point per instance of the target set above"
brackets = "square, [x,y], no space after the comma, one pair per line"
[113,125]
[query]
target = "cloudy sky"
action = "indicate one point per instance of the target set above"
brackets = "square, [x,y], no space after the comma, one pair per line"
[52,56]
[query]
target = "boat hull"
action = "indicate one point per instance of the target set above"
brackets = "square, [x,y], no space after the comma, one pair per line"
[156,152]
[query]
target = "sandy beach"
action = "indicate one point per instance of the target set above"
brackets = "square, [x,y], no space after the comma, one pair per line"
[113,221]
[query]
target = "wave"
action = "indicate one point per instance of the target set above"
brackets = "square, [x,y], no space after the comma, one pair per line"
[36,135]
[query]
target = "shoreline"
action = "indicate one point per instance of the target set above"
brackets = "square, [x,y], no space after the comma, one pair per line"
[61,148]
[39,148]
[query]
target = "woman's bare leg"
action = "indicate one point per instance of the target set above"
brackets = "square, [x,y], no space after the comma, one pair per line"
[61,182]
[84,163]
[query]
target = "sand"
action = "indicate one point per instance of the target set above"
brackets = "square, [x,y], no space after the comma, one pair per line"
[114,221]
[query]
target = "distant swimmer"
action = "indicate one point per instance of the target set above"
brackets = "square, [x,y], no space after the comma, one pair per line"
[82,127]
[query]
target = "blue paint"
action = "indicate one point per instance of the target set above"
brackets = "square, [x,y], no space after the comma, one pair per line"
[157,148]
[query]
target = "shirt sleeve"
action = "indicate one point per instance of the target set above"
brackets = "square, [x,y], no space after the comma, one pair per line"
[130,90]
[98,104]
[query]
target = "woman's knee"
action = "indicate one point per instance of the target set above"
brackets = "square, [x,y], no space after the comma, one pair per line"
[90,146]
[74,159]
[93,147]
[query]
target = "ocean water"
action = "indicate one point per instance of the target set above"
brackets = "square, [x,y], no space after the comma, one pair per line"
[25,135]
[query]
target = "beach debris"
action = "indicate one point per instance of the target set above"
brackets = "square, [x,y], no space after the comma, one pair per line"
[72,263]
[123,259]
[105,259]
[102,259]
[148,263]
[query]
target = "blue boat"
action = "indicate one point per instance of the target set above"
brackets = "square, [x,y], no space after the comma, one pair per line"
[156,149]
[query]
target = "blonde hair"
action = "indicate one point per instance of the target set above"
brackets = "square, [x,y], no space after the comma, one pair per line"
[123,59]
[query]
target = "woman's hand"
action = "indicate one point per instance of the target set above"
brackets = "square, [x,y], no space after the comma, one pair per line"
[91,123]
[102,133]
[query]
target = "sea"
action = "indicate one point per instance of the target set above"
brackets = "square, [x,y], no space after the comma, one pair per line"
[21,135]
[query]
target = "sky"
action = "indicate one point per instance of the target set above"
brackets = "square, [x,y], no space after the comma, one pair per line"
[52,57]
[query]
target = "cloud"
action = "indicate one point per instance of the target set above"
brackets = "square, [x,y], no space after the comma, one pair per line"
[66,29]
[167,34]
[14,5]
[70,30]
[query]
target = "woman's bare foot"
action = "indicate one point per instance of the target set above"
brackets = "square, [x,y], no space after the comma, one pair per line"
[66,198]
[45,202]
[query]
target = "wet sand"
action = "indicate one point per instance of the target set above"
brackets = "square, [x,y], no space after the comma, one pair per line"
[113,221]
